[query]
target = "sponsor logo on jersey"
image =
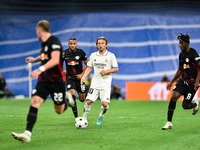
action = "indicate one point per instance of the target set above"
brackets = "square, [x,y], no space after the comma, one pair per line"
[185,66]
[73,63]
[46,48]
[55,46]
[99,65]
[43,56]
[197,58]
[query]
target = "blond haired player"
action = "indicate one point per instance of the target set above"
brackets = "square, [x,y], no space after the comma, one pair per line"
[104,63]
[51,79]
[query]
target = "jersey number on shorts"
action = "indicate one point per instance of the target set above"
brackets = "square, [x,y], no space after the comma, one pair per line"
[58,97]
[188,96]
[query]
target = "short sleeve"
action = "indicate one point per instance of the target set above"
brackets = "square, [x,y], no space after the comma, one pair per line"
[114,61]
[196,56]
[90,61]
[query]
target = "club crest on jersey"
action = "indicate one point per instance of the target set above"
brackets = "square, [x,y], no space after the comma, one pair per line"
[187,60]
[73,63]
[43,56]
[68,86]
[185,66]
[106,60]
[46,48]
[77,57]
[34,91]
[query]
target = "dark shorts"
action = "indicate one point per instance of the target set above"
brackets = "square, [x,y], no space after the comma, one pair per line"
[56,90]
[76,85]
[185,89]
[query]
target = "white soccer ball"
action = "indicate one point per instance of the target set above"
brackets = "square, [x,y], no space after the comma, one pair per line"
[81,122]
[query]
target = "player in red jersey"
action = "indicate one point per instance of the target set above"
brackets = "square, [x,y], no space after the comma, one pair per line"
[74,59]
[188,84]
[51,79]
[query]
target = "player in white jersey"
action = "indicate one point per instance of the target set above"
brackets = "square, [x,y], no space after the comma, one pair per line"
[104,63]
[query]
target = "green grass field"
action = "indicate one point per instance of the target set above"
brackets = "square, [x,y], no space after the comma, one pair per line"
[127,125]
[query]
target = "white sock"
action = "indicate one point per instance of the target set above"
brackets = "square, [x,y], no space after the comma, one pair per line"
[86,110]
[103,111]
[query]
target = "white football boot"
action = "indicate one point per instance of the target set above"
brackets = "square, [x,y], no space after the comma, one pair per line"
[71,100]
[168,126]
[24,137]
[195,110]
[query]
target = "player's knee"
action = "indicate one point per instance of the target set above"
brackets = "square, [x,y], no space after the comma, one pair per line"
[89,102]
[173,99]
[185,106]
[105,104]
[82,100]
[36,101]
[58,111]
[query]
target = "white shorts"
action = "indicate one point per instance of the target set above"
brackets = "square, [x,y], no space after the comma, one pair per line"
[103,93]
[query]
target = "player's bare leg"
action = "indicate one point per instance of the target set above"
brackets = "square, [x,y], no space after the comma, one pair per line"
[74,108]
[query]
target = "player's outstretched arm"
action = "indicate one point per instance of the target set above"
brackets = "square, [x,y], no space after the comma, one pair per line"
[86,73]
[196,85]
[32,59]
[55,58]
[176,76]
[79,76]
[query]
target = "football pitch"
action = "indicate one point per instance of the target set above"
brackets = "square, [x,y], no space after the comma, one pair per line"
[127,125]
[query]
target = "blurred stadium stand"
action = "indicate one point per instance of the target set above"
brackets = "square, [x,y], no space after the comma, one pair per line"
[140,33]
[92,5]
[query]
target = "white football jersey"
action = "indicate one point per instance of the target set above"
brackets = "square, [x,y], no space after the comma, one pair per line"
[106,61]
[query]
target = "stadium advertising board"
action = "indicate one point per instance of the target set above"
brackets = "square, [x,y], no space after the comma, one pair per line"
[151,91]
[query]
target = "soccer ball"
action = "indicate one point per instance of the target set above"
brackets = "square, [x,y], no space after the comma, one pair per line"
[81,122]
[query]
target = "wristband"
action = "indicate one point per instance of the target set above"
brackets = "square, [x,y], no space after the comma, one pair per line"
[42,68]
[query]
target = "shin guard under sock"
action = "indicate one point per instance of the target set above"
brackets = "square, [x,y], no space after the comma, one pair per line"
[86,110]
[74,108]
[171,108]
[31,118]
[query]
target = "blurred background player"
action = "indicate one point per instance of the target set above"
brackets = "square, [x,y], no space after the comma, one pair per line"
[3,87]
[188,84]
[165,78]
[74,59]
[51,79]
[104,63]
[116,92]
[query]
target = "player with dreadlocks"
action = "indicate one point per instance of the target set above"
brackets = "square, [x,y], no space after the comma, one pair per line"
[188,83]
